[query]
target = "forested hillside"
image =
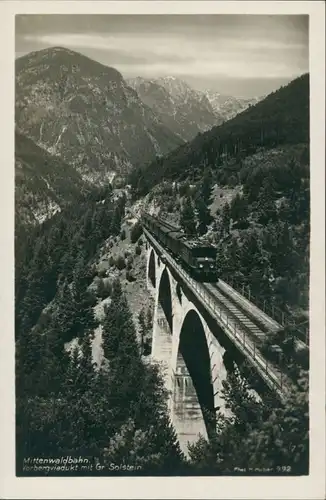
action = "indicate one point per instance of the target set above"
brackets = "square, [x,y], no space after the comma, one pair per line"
[282,118]
[115,413]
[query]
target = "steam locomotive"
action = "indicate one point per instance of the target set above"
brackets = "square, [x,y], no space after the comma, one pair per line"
[198,257]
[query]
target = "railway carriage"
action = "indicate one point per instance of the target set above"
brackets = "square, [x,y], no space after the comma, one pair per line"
[198,257]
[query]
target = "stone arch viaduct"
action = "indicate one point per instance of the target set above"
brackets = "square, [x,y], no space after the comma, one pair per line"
[197,337]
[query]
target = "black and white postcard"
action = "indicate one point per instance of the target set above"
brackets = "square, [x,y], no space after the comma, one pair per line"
[163,272]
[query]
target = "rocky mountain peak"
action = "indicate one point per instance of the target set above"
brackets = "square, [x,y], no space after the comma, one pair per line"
[181,108]
[177,88]
[86,113]
[227,106]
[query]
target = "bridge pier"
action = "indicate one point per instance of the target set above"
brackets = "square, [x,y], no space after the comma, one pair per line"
[162,345]
[186,412]
[150,270]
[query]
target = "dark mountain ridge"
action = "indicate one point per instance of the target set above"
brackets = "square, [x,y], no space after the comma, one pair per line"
[85,112]
[43,183]
[281,118]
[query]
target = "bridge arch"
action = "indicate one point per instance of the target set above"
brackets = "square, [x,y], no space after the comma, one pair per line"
[151,268]
[193,355]
[165,298]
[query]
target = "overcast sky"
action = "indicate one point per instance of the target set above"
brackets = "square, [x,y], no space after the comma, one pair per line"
[241,55]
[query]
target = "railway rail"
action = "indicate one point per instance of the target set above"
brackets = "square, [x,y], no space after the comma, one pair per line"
[234,308]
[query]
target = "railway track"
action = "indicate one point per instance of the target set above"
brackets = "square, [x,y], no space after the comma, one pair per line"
[264,322]
[257,316]
[251,327]
[251,333]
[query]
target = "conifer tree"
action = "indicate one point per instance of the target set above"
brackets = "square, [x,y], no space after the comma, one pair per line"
[149,319]
[239,208]
[122,352]
[266,208]
[205,189]
[83,301]
[203,215]
[28,358]
[142,328]
[115,224]
[187,218]
[65,311]
[226,219]
[100,289]
[72,373]
[118,332]
[86,363]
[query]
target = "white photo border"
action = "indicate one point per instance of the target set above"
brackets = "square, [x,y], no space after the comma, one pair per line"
[304,487]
